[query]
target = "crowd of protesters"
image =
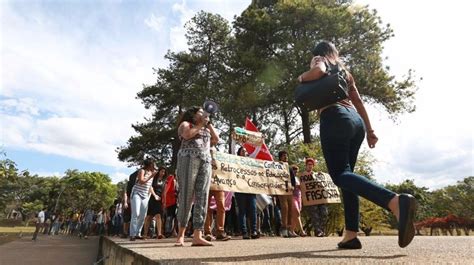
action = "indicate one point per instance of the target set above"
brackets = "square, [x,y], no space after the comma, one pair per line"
[228,214]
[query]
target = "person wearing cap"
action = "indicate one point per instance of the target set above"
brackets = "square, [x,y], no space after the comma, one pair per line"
[193,170]
[343,127]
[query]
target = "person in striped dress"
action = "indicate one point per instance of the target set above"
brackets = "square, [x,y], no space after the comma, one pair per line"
[139,197]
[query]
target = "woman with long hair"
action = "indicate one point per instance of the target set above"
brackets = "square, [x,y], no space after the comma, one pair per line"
[139,198]
[155,206]
[343,127]
[197,136]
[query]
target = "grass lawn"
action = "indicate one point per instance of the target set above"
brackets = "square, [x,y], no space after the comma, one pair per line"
[8,234]
[17,229]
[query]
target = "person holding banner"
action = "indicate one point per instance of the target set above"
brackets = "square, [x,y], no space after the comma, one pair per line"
[194,172]
[343,126]
[247,204]
[317,212]
[297,206]
[286,201]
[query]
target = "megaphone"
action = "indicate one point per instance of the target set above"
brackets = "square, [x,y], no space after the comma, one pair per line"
[210,107]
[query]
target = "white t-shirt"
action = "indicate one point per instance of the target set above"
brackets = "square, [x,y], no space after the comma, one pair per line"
[41,217]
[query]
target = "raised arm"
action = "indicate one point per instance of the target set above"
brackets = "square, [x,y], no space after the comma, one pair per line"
[317,70]
[187,131]
[141,176]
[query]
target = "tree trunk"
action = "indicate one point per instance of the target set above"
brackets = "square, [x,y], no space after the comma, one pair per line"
[287,127]
[306,127]
[229,142]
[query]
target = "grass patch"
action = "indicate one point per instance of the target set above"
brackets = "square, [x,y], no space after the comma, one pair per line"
[9,234]
[17,229]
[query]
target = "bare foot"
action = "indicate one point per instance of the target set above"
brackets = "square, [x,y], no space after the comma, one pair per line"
[179,242]
[393,205]
[201,242]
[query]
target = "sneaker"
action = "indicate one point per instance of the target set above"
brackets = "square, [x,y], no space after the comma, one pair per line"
[132,238]
[209,237]
[255,235]
[222,236]
[245,236]
[284,233]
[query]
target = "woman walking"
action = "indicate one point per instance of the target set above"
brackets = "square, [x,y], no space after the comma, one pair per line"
[140,196]
[343,126]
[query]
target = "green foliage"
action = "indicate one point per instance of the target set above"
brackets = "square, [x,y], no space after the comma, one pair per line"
[251,69]
[454,199]
[87,190]
[421,194]
[30,193]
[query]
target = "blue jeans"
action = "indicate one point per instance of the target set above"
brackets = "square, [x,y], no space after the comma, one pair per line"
[139,207]
[342,132]
[247,204]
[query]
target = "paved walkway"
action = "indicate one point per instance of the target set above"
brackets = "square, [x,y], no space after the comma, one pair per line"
[376,249]
[310,250]
[48,250]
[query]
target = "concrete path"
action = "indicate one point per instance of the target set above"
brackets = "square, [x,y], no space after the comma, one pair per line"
[309,250]
[48,250]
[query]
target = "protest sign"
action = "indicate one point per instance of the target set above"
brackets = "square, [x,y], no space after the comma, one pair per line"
[249,175]
[318,188]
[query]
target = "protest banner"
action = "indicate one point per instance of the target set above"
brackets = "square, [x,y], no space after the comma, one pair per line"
[249,175]
[246,136]
[318,188]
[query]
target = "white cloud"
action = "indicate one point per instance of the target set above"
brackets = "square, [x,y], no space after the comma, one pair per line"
[120,176]
[21,106]
[434,145]
[178,40]
[155,22]
[47,174]
[85,91]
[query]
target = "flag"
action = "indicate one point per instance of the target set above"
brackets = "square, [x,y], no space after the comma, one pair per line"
[258,152]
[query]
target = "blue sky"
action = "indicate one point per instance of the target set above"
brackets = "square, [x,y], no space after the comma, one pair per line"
[70,71]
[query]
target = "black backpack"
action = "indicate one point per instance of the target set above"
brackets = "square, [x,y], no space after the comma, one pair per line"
[132,179]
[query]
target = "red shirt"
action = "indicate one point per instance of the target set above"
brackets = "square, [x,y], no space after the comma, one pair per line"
[170,191]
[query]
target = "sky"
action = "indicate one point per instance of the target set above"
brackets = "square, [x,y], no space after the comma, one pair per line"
[70,71]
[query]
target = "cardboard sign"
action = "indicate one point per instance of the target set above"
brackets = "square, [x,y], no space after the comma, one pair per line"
[249,175]
[245,136]
[318,188]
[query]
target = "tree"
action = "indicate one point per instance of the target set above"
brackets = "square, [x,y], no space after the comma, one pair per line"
[191,78]
[255,67]
[87,190]
[421,194]
[454,199]
[280,33]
